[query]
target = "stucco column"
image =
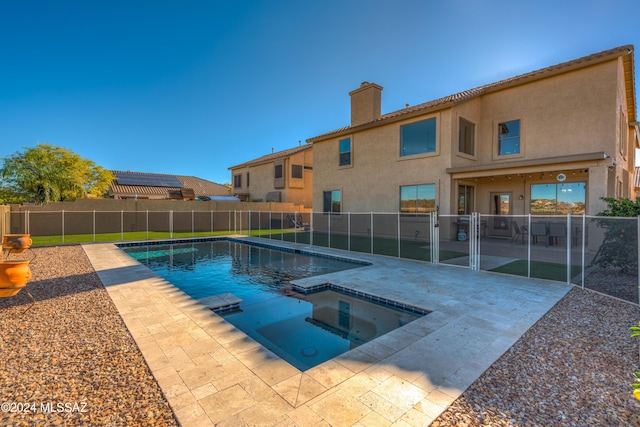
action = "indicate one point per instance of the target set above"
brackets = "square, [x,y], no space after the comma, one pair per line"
[597,187]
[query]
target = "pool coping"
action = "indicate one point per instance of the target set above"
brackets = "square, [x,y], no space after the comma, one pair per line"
[210,372]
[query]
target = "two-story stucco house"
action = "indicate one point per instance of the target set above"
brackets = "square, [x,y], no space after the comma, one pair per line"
[551,141]
[284,176]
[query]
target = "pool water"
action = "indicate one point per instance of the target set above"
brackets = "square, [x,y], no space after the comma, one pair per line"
[303,329]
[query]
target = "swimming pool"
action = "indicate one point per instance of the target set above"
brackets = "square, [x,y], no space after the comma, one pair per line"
[304,327]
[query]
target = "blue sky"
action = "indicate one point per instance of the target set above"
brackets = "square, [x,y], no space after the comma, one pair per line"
[194,87]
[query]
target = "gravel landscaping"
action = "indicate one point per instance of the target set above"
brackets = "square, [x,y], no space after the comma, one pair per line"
[72,350]
[573,368]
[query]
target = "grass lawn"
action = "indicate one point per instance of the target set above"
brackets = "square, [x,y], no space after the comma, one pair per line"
[539,270]
[71,239]
[411,249]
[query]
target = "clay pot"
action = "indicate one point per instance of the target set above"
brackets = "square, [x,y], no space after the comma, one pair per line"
[16,243]
[14,276]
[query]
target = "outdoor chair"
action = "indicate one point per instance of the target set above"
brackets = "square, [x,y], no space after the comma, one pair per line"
[557,230]
[539,229]
[518,231]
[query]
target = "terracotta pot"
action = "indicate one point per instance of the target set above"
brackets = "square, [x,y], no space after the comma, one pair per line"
[14,276]
[16,243]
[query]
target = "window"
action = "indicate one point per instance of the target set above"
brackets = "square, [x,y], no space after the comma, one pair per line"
[345,152]
[418,198]
[247,179]
[296,171]
[237,181]
[331,201]
[278,171]
[558,199]
[509,138]
[466,136]
[418,138]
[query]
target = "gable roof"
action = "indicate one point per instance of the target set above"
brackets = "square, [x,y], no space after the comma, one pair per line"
[626,52]
[191,185]
[273,156]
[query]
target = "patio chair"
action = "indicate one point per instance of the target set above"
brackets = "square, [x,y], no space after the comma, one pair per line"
[518,231]
[539,229]
[557,230]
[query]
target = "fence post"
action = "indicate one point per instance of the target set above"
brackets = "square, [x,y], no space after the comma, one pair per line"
[311,231]
[371,225]
[398,234]
[146,226]
[568,249]
[584,226]
[329,229]
[63,226]
[270,222]
[349,231]
[295,225]
[193,224]
[249,223]
[529,247]
[94,226]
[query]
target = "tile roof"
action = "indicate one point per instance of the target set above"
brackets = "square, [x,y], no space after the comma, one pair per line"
[274,156]
[200,187]
[451,100]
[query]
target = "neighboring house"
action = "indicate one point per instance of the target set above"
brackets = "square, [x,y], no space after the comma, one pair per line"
[285,176]
[552,141]
[140,185]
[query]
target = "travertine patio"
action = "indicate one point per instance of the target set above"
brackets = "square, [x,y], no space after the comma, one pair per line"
[212,373]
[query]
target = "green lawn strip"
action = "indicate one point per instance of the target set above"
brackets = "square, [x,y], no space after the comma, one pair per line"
[411,249]
[539,270]
[72,239]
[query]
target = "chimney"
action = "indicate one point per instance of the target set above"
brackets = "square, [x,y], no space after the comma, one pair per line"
[365,103]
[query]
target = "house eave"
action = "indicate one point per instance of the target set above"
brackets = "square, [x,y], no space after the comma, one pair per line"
[526,166]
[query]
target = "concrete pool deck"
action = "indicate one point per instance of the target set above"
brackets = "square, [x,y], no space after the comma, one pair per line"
[213,374]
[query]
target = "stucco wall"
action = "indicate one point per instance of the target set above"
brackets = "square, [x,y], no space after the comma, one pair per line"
[372,182]
[572,113]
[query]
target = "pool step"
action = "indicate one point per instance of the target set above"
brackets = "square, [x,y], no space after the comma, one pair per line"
[221,303]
